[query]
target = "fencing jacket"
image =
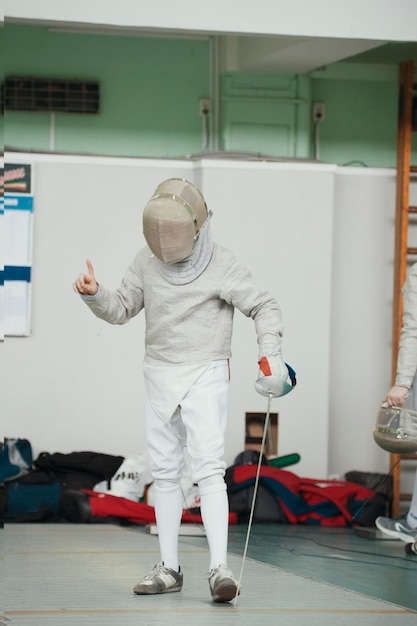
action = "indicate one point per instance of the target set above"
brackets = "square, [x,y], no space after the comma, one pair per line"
[191,323]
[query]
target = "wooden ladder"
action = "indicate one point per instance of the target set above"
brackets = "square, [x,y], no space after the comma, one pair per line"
[403,211]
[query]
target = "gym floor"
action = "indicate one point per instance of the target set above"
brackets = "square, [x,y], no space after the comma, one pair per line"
[83,574]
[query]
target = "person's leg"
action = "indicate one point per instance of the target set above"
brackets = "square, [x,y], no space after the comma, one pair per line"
[412,511]
[214,507]
[204,414]
[168,511]
[405,527]
[165,450]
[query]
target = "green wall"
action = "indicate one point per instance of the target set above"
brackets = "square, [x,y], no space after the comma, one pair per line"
[360,125]
[151,88]
[150,92]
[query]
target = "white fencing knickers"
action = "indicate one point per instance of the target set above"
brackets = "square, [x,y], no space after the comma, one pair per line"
[186,405]
[194,433]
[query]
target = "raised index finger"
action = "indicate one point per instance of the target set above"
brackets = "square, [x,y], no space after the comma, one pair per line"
[90,267]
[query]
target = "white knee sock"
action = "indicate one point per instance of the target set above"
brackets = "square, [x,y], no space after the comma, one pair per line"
[412,511]
[168,512]
[215,513]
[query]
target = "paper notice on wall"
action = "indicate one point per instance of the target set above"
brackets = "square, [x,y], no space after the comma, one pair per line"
[17,248]
[17,239]
[16,307]
[2,257]
[18,212]
[2,331]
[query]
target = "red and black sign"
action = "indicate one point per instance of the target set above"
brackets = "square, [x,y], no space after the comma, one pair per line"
[17,178]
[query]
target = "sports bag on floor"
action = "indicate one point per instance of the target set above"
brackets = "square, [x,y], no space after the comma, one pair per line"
[34,497]
[88,506]
[15,458]
[307,500]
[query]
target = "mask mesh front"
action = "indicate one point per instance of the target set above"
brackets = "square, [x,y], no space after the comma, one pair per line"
[172,218]
[171,240]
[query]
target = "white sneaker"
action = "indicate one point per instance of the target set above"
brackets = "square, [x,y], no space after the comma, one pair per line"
[223,585]
[397,528]
[160,579]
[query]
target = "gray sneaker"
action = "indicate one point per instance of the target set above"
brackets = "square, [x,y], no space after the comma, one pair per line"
[397,528]
[160,579]
[223,585]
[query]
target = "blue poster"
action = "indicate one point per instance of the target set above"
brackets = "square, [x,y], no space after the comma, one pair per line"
[18,229]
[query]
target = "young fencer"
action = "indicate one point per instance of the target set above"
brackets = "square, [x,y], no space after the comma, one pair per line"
[189,287]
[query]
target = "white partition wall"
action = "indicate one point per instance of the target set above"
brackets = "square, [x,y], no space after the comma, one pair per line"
[317,237]
[277,217]
[363,258]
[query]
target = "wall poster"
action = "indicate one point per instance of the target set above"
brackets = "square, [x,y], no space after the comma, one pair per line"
[18,229]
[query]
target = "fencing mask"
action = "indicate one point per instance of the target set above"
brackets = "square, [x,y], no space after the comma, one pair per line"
[396,429]
[172,220]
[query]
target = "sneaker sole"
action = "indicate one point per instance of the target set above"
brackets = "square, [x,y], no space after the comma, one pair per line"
[157,593]
[396,534]
[225,593]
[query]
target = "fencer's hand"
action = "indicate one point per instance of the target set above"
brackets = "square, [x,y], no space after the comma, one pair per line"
[86,284]
[275,377]
[397,395]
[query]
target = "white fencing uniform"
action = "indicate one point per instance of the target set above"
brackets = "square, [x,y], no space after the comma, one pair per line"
[189,307]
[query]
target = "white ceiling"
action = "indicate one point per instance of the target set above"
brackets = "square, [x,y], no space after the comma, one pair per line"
[243,52]
[276,35]
[291,54]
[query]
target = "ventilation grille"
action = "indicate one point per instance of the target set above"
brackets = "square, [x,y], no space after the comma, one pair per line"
[50,94]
